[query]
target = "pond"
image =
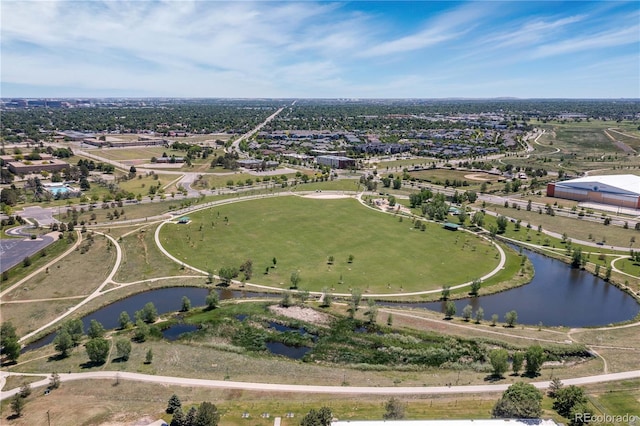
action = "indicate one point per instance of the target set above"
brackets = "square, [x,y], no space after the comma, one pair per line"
[173,333]
[165,300]
[558,295]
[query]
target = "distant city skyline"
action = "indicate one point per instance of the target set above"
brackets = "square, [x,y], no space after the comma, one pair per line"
[306,49]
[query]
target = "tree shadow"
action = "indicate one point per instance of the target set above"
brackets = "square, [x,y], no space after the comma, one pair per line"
[90,364]
[13,416]
[492,378]
[56,357]
[8,363]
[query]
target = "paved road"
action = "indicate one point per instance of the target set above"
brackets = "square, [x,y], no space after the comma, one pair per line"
[335,390]
[235,146]
[14,250]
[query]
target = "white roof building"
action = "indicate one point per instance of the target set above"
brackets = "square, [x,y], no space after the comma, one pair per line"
[615,184]
[615,190]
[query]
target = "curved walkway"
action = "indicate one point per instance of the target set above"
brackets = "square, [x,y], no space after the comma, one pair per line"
[335,390]
[496,270]
[97,292]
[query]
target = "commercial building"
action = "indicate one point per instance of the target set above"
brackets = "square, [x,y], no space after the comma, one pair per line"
[336,161]
[615,190]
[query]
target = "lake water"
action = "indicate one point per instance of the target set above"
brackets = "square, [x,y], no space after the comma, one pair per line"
[558,295]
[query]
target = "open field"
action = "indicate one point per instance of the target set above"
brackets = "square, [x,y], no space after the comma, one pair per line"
[141,183]
[139,153]
[575,228]
[439,176]
[18,272]
[303,233]
[27,317]
[77,274]
[130,402]
[142,259]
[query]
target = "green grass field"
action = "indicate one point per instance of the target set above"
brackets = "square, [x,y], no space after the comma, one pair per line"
[389,255]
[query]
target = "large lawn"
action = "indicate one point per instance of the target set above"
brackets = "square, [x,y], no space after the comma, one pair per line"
[389,255]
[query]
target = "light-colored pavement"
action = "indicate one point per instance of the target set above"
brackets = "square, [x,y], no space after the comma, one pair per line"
[335,390]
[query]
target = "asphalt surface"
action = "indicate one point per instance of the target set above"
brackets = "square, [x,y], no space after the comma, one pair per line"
[14,250]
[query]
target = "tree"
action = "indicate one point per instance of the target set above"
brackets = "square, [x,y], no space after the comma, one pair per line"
[554,386]
[207,415]
[141,332]
[517,359]
[535,358]
[478,219]
[25,390]
[173,404]
[9,344]
[190,418]
[499,359]
[446,291]
[295,279]
[124,320]
[467,312]
[511,318]
[17,405]
[54,381]
[520,400]
[494,319]
[75,328]
[286,301]
[186,304]
[123,349]
[321,417]
[449,309]
[607,274]
[148,314]
[274,261]
[567,398]
[212,300]
[97,350]
[63,342]
[247,269]
[95,329]
[178,418]
[227,274]
[327,298]
[479,315]
[148,357]
[501,222]
[356,298]
[392,201]
[475,287]
[350,258]
[394,410]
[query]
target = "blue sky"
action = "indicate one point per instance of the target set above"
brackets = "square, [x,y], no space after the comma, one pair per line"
[412,49]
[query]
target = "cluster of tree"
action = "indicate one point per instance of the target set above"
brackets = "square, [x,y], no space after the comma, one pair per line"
[228,161]
[520,401]
[437,208]
[417,199]
[9,345]
[202,116]
[570,402]
[206,414]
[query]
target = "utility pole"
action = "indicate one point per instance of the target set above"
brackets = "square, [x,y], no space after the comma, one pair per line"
[48,418]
